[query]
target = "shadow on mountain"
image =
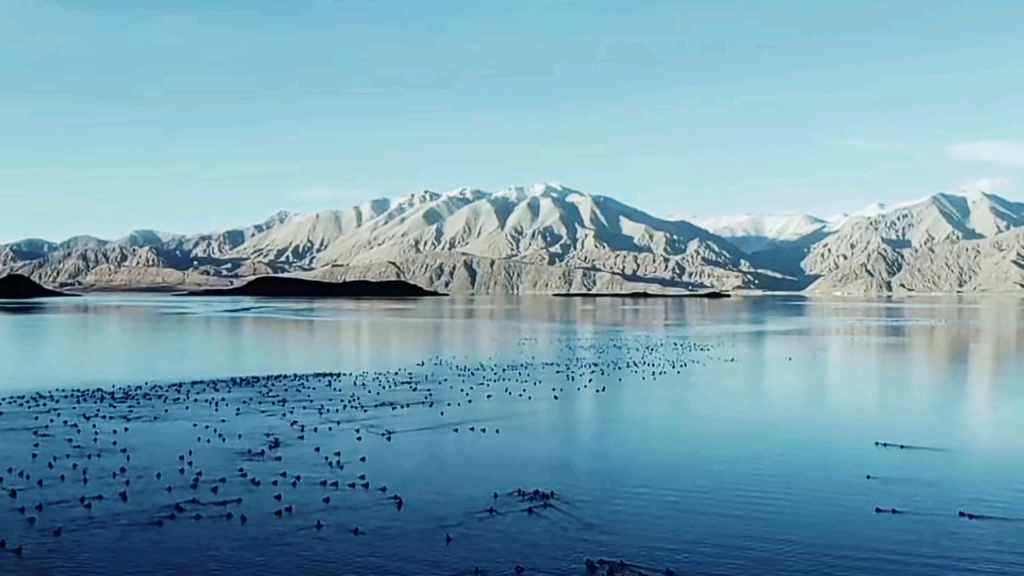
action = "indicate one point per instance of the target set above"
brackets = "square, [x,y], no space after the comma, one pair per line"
[787,258]
[288,287]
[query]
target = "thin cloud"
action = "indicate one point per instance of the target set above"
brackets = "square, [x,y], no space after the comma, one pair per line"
[713,48]
[316,198]
[988,185]
[632,53]
[316,195]
[876,145]
[1006,152]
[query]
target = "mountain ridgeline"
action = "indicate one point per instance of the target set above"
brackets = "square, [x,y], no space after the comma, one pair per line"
[945,243]
[551,239]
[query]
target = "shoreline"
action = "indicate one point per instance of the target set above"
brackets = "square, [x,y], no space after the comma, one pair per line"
[743,293]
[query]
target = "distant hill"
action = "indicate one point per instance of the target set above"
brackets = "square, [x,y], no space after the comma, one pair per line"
[19,287]
[286,287]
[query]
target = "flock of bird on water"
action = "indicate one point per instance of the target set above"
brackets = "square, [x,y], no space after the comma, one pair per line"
[84,438]
[71,450]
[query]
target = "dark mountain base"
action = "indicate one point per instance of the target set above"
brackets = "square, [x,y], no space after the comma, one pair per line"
[712,295]
[19,287]
[286,287]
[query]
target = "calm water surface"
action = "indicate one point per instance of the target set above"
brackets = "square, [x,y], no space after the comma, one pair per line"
[712,437]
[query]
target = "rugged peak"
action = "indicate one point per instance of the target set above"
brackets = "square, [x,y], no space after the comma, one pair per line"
[541,190]
[277,218]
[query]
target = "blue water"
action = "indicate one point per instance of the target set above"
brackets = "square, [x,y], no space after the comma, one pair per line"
[712,437]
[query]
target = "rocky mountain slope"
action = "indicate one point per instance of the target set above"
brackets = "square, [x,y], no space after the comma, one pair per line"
[543,238]
[761,232]
[943,243]
[775,242]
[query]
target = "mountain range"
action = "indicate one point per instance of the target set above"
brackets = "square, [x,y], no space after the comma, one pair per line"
[548,238]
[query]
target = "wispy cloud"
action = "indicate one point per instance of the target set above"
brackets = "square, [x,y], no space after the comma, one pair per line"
[632,53]
[316,198]
[987,184]
[1006,152]
[713,47]
[878,145]
[62,27]
[316,195]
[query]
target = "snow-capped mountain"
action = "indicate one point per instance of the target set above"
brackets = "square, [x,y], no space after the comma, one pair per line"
[873,252]
[547,238]
[889,248]
[756,232]
[522,239]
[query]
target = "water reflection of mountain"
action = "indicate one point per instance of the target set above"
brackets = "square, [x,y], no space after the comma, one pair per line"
[22,308]
[939,352]
[794,355]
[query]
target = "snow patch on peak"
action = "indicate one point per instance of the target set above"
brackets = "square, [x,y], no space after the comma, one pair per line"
[758,232]
[976,195]
[773,226]
[548,189]
[539,190]
[278,217]
[975,212]
[871,210]
[152,238]
[416,198]
[466,193]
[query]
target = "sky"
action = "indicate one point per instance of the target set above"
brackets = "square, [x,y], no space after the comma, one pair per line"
[190,115]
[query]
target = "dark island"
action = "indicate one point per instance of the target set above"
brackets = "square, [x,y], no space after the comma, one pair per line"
[288,287]
[711,295]
[20,287]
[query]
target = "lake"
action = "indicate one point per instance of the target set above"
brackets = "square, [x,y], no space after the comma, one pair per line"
[706,436]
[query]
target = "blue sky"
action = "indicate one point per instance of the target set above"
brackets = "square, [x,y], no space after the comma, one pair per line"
[188,115]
